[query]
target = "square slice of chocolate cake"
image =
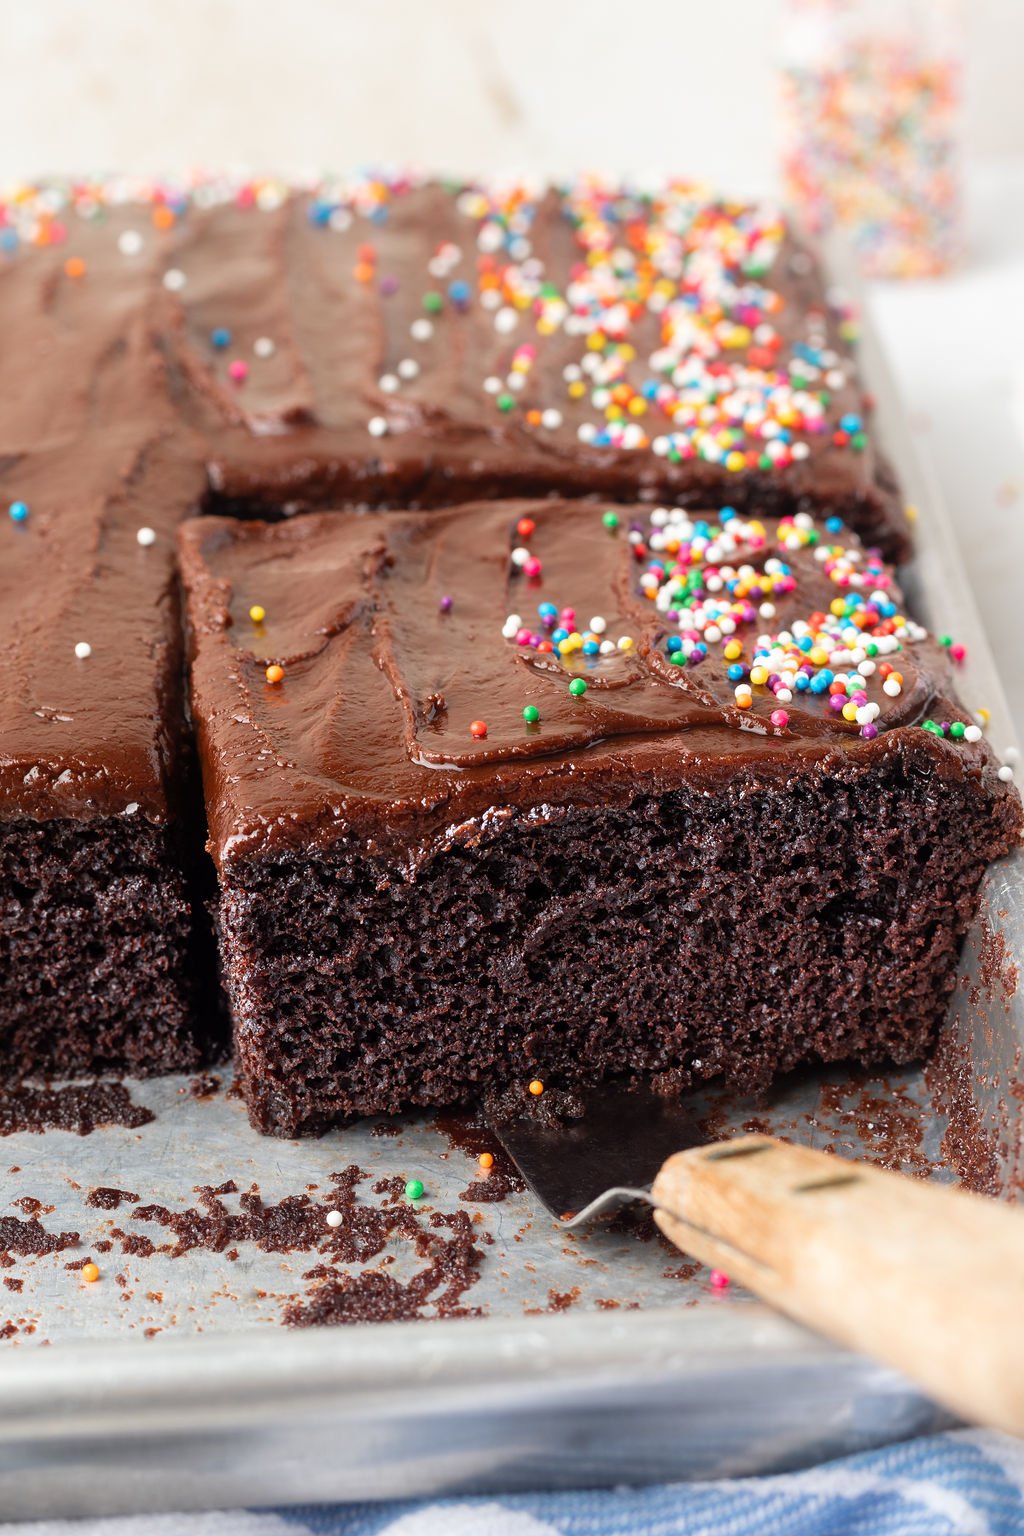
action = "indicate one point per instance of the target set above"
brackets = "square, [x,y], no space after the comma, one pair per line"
[560,791]
[410,343]
[97,949]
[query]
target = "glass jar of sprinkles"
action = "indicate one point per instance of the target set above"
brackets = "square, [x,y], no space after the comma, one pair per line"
[871,128]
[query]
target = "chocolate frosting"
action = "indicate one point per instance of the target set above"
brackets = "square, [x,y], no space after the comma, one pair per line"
[118,411]
[394,634]
[341,291]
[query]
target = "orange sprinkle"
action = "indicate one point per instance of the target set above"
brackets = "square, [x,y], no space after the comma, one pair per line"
[478,728]
[163,217]
[275,674]
[90,1273]
[486,1159]
[363,273]
[74,266]
[536,1087]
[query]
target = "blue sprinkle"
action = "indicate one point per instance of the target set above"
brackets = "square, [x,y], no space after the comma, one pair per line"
[18,511]
[320,212]
[8,240]
[547,610]
[559,634]
[834,524]
[736,673]
[801,682]
[674,643]
[727,514]
[220,337]
[459,292]
[850,423]
[591,648]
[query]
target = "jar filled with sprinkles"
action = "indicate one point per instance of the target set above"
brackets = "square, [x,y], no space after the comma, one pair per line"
[872,123]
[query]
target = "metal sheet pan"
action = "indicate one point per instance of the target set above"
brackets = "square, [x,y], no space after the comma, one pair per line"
[176,1386]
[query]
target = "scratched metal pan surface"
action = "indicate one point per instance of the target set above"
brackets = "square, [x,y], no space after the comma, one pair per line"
[174,1381]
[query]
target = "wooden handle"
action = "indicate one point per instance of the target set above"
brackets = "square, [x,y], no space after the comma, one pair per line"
[922,1276]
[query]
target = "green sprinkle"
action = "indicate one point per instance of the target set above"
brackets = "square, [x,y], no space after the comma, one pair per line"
[433,303]
[577,687]
[531,714]
[871,648]
[414,1189]
[946,640]
[957,729]
[506,402]
[858,442]
[611,521]
[677,659]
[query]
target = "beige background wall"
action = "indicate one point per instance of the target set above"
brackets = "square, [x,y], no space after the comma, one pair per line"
[464,84]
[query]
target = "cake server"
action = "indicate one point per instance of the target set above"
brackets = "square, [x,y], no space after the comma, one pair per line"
[922,1276]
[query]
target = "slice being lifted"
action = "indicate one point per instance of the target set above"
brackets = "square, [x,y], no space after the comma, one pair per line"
[558,791]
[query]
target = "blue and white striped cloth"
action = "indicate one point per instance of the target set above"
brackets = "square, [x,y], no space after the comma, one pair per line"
[966,1483]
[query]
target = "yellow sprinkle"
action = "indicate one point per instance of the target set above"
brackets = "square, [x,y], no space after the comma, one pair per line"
[849,711]
[758,675]
[257,613]
[733,650]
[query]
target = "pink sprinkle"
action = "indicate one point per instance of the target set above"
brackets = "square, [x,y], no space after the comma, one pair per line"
[523,637]
[719,1281]
[780,718]
[238,371]
[532,567]
[958,653]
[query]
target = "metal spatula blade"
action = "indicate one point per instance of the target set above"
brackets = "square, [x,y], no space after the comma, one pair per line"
[622,1139]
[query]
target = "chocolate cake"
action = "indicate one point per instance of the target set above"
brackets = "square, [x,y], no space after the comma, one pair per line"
[97,944]
[252,351]
[424,344]
[542,790]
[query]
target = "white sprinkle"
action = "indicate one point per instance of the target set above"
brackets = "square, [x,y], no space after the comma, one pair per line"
[551,419]
[505,321]
[598,625]
[83,649]
[586,431]
[520,556]
[131,807]
[492,385]
[607,647]
[894,689]
[408,368]
[1005,772]
[129,242]
[340,220]
[174,279]
[421,330]
[867,668]
[146,537]
[388,383]
[972,733]
[512,625]
[334,1218]
[767,611]
[377,426]
[264,347]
